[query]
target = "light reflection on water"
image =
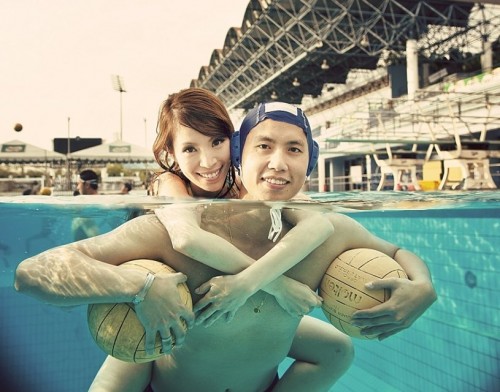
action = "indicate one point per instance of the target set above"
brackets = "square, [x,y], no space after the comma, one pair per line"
[454,346]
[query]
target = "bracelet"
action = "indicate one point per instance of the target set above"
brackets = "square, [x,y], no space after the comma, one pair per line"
[139,297]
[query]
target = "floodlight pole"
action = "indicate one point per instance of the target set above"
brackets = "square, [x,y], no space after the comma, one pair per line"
[119,86]
[68,153]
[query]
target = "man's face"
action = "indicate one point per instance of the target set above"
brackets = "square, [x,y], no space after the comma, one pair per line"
[274,161]
[83,187]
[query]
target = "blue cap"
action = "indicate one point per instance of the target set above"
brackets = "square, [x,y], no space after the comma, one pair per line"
[278,111]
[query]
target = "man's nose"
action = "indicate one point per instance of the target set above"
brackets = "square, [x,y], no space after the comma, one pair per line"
[277,160]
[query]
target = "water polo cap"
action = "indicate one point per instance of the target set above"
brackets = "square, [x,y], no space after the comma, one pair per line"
[89,176]
[278,111]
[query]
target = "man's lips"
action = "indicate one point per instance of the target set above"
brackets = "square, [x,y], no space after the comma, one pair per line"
[276,181]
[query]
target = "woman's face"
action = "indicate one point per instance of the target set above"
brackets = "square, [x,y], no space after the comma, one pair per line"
[204,160]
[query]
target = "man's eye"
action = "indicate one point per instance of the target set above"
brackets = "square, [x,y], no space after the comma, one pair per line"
[263,146]
[295,149]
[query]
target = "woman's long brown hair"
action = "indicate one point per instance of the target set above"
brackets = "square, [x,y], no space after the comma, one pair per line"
[195,108]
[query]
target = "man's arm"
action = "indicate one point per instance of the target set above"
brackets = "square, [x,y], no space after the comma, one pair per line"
[410,298]
[88,271]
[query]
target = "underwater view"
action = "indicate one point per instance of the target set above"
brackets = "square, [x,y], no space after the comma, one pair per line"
[454,346]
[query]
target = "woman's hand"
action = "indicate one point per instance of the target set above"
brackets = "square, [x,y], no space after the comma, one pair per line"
[164,312]
[224,295]
[295,297]
[408,301]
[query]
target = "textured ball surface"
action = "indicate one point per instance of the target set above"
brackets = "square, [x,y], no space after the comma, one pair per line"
[343,286]
[116,328]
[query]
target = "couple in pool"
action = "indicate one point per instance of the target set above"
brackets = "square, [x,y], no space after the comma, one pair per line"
[252,270]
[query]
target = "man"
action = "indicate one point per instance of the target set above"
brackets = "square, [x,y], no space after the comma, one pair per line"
[126,188]
[242,355]
[88,183]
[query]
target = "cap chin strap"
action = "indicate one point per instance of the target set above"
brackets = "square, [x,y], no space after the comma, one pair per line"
[276,224]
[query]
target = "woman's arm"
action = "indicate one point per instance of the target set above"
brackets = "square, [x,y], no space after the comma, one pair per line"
[183,224]
[182,221]
[227,293]
[310,230]
[188,238]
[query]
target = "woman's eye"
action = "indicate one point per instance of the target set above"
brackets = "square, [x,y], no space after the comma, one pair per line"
[218,142]
[189,149]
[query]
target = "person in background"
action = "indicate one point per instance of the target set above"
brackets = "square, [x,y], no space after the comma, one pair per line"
[46,191]
[126,188]
[88,183]
[82,227]
[32,190]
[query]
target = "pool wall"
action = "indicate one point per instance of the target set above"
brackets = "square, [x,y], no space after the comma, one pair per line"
[454,346]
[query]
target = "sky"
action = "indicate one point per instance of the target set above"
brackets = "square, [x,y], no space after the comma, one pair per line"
[57,59]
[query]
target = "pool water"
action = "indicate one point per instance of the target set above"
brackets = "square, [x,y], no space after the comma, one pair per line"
[454,346]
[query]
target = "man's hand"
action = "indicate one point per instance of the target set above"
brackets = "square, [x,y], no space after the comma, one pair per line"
[164,312]
[409,300]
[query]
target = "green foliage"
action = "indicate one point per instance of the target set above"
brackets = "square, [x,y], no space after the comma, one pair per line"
[115,169]
[35,173]
[4,173]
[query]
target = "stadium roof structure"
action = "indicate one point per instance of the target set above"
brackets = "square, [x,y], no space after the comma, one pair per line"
[286,49]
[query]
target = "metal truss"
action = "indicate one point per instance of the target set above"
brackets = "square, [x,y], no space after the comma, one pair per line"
[286,49]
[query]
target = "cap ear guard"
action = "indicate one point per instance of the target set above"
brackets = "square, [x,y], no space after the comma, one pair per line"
[235,149]
[313,160]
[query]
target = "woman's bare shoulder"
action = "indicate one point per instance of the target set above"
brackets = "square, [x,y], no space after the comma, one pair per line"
[170,177]
[171,185]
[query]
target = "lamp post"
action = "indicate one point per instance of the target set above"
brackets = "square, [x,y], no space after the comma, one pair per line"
[68,153]
[119,86]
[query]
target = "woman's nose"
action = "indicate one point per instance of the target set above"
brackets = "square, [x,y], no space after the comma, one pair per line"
[207,160]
